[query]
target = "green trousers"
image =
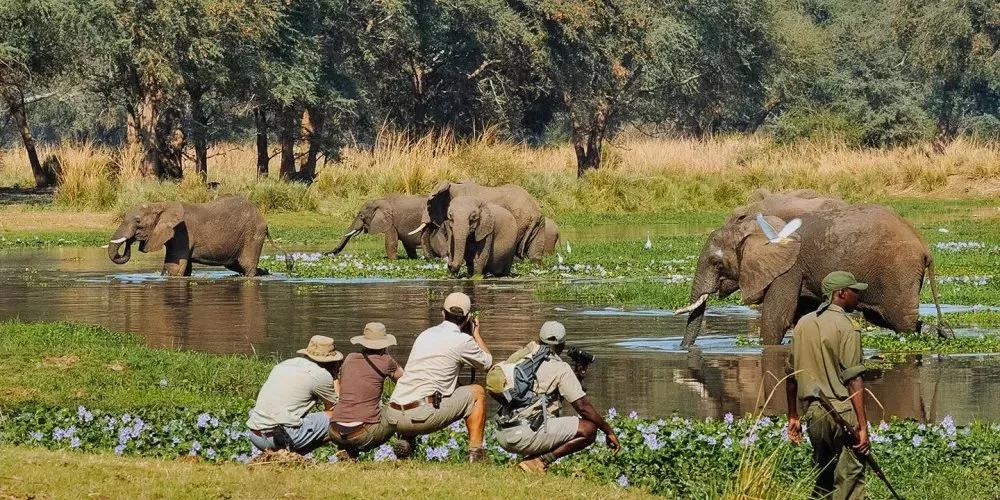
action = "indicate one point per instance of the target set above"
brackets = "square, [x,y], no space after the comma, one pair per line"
[841,474]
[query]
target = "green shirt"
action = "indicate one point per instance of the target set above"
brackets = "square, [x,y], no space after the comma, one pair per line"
[826,353]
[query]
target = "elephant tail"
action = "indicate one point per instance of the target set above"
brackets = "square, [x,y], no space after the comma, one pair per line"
[943,330]
[537,230]
[289,261]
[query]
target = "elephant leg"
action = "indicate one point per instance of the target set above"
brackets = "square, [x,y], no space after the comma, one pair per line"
[411,250]
[250,256]
[778,309]
[179,267]
[390,245]
[235,267]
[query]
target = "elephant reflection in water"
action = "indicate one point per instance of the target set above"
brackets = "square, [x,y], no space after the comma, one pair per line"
[755,384]
[222,315]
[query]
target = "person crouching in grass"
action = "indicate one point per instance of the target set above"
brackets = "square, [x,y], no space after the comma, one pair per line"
[358,422]
[280,419]
[537,431]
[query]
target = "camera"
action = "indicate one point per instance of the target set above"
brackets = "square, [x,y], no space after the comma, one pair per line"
[579,356]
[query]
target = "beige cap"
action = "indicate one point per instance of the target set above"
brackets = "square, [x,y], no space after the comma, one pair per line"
[458,303]
[374,337]
[552,333]
[321,350]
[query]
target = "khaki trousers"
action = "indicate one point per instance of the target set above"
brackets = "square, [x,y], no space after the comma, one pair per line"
[841,474]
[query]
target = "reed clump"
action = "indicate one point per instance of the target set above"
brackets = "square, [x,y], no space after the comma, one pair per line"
[638,174]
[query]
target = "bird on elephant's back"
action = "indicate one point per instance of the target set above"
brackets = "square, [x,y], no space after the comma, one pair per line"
[785,280]
[528,218]
[398,219]
[228,232]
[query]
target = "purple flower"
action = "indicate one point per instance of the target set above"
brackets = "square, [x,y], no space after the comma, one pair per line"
[244,458]
[384,453]
[58,434]
[728,418]
[37,436]
[83,414]
[439,453]
[195,448]
[457,426]
[612,412]
[727,443]
[210,454]
[952,444]
[119,449]
[75,442]
[214,422]
[632,415]
[452,444]
[652,441]
[917,440]
[882,426]
[623,481]
[711,441]
[203,420]
[749,439]
[332,458]
[126,418]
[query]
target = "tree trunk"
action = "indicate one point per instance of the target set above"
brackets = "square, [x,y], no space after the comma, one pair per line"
[286,138]
[148,118]
[199,137]
[312,125]
[171,139]
[260,121]
[16,106]
[588,156]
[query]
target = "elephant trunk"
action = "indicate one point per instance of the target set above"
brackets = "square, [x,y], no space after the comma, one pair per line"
[459,238]
[705,283]
[125,235]
[113,248]
[356,227]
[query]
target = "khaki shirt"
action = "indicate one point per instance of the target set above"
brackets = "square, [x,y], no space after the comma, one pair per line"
[435,359]
[826,354]
[291,390]
[555,378]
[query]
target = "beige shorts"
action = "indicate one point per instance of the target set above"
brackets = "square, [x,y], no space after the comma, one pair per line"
[551,435]
[426,419]
[373,436]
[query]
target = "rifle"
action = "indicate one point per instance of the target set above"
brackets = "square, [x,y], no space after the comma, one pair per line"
[851,438]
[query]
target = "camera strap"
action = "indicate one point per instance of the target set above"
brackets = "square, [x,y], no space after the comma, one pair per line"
[372,364]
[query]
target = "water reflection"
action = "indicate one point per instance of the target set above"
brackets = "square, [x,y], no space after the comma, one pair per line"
[638,368]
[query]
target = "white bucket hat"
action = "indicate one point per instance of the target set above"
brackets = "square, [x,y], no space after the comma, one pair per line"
[374,337]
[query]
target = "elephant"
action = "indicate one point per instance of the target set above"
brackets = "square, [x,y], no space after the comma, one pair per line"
[481,234]
[226,232]
[785,279]
[551,236]
[785,205]
[530,222]
[396,217]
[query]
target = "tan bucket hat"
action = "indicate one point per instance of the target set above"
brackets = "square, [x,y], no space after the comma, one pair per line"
[321,350]
[374,337]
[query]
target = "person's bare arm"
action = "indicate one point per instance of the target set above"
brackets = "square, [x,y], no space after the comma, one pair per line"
[791,395]
[857,387]
[398,374]
[587,412]
[479,338]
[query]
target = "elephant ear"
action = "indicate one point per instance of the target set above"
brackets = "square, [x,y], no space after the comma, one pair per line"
[171,215]
[437,203]
[761,262]
[487,223]
[381,219]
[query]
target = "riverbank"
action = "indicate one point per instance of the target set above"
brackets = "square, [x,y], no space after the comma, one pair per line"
[87,393]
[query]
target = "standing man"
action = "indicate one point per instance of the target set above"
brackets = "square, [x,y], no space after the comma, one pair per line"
[826,357]
[359,422]
[557,436]
[280,419]
[426,398]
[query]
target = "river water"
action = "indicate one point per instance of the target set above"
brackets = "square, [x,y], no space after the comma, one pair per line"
[639,366]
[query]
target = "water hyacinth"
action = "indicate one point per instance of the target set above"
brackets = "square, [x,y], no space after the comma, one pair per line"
[958,246]
[623,481]
[649,446]
[965,280]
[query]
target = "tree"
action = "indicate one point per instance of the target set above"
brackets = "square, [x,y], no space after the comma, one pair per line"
[953,47]
[36,46]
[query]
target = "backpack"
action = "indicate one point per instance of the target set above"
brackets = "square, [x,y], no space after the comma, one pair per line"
[512,382]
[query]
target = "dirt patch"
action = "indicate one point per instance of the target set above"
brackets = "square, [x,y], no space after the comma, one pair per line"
[117,366]
[985,213]
[280,457]
[61,361]
[25,219]
[17,392]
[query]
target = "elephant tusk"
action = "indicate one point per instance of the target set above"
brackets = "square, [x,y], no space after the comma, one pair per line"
[105,246]
[119,240]
[418,229]
[694,305]
[352,233]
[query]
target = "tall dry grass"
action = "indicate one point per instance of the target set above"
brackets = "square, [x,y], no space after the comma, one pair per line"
[639,174]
